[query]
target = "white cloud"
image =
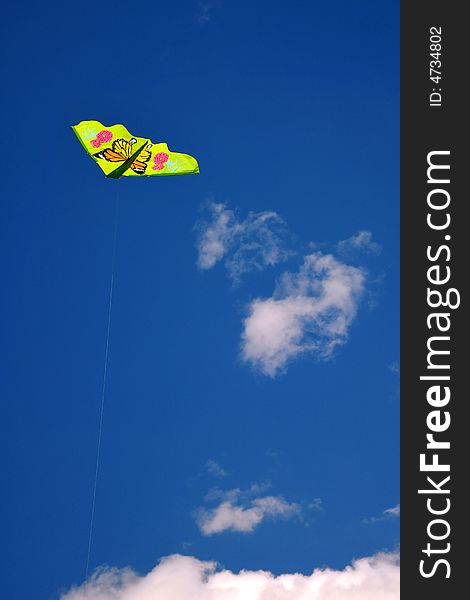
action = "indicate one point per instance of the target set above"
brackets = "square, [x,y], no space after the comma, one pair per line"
[183,577]
[242,510]
[388,513]
[213,467]
[361,241]
[249,245]
[310,312]
[214,236]
[393,512]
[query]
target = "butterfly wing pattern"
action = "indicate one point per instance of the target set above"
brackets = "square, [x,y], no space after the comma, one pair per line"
[119,153]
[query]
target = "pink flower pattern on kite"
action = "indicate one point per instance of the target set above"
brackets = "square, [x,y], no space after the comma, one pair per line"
[104,136]
[160,159]
[101,138]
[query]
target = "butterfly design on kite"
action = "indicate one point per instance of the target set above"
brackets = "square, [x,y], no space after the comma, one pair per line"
[121,150]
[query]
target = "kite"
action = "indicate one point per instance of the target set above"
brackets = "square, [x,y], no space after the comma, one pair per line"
[119,153]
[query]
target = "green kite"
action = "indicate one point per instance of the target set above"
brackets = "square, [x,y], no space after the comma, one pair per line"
[119,153]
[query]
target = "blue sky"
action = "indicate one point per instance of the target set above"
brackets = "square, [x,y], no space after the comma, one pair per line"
[291,109]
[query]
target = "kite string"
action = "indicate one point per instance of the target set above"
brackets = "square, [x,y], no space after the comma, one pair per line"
[103,387]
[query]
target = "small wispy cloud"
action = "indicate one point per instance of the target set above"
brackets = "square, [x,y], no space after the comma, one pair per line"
[203,15]
[214,468]
[392,512]
[182,577]
[242,511]
[251,244]
[204,12]
[274,453]
[310,312]
[362,241]
[388,513]
[316,504]
[394,367]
